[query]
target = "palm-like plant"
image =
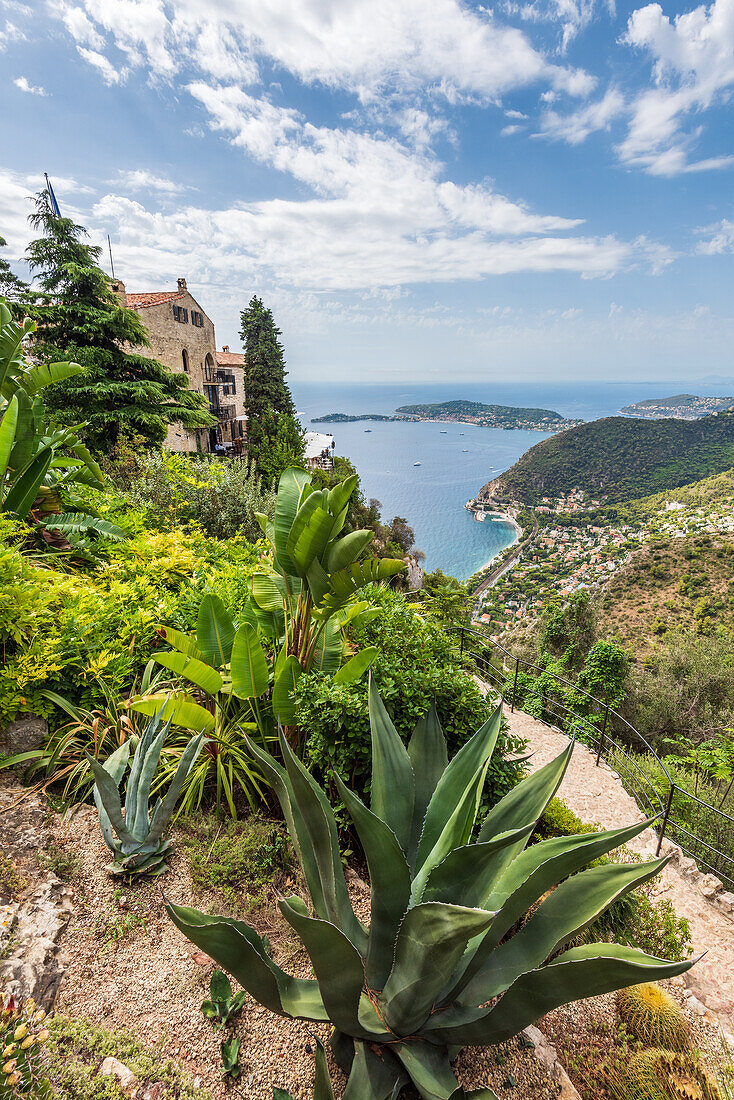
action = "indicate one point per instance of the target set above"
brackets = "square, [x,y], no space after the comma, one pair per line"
[39,468]
[446,961]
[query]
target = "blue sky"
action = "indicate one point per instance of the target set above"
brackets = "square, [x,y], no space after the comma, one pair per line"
[422,189]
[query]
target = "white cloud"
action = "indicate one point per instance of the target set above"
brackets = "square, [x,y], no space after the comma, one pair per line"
[140,179]
[570,16]
[9,33]
[508,131]
[33,89]
[110,74]
[720,238]
[576,126]
[693,70]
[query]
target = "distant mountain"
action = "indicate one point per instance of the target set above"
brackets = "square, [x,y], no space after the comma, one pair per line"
[619,459]
[683,406]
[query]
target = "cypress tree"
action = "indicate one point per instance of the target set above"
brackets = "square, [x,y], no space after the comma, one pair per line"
[79,317]
[274,435]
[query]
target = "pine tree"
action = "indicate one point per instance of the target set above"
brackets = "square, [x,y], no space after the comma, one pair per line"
[12,288]
[79,317]
[274,435]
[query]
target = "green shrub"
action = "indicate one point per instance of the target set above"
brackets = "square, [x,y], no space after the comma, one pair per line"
[221,497]
[236,859]
[76,1048]
[418,663]
[559,820]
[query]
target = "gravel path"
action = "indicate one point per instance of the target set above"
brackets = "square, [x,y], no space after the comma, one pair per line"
[598,797]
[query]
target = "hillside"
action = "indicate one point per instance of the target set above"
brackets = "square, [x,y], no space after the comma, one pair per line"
[676,584]
[683,406]
[619,459]
[492,416]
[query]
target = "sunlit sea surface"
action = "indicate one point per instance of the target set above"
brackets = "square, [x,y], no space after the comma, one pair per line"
[455,459]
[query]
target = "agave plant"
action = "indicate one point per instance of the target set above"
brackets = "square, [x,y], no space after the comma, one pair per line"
[138,839]
[446,961]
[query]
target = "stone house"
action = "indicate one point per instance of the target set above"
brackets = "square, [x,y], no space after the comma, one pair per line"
[182,337]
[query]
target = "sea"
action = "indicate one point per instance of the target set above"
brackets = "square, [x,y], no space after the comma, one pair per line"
[456,460]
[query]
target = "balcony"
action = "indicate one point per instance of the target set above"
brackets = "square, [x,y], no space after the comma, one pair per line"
[223,413]
[215,377]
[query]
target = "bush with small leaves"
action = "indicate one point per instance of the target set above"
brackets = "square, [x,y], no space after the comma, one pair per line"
[653,1016]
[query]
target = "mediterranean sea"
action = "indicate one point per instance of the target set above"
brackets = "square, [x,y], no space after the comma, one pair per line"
[455,459]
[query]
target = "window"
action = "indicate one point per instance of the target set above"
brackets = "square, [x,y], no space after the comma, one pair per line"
[197,318]
[185,360]
[181,314]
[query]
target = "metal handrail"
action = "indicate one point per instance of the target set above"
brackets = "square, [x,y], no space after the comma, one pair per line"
[659,804]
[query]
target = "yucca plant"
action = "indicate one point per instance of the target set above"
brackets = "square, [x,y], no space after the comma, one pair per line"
[445,961]
[138,839]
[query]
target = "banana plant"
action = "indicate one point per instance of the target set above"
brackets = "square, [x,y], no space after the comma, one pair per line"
[448,959]
[292,623]
[40,468]
[137,839]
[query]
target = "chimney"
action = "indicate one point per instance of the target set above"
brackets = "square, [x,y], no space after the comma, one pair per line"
[182,284]
[225,347]
[118,288]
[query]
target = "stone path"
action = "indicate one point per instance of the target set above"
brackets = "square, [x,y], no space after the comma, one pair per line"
[598,797]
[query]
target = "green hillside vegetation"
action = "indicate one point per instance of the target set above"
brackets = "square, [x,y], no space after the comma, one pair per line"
[619,459]
[477,408]
[680,584]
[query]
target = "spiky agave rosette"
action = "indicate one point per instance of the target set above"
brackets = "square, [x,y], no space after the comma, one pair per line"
[137,839]
[439,967]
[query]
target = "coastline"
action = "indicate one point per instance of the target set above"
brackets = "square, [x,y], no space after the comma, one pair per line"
[500,517]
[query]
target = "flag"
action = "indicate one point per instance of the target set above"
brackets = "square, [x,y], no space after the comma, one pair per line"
[54,204]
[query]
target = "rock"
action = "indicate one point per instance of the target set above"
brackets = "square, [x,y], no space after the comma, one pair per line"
[711,886]
[126,1078]
[151,1092]
[545,1052]
[24,733]
[688,867]
[33,968]
[725,901]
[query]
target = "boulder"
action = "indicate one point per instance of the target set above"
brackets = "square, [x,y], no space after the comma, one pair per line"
[25,733]
[125,1077]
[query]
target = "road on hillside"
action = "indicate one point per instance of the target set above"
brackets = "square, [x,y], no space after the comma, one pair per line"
[499,571]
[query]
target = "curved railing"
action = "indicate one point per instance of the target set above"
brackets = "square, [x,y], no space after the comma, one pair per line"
[611,736]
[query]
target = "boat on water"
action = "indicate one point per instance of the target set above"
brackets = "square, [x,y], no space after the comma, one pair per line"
[465,451]
[443,431]
[480,516]
[367,430]
[416,464]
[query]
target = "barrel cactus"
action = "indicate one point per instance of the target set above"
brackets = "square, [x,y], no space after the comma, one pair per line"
[444,962]
[137,838]
[653,1016]
[668,1075]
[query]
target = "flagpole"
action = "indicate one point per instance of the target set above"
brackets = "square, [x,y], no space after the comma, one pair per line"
[54,204]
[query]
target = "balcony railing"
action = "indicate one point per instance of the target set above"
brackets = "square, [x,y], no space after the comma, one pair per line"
[223,413]
[215,377]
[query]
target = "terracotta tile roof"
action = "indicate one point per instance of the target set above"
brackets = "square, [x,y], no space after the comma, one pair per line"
[154,298]
[230,359]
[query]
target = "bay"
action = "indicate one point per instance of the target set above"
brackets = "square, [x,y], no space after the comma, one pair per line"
[455,459]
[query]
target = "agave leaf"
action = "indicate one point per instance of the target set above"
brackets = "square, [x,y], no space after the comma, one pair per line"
[164,811]
[431,940]
[318,818]
[429,1069]
[279,780]
[338,968]
[131,795]
[463,875]
[115,765]
[200,674]
[569,909]
[375,1074]
[249,670]
[214,631]
[526,801]
[429,759]
[582,972]
[322,1089]
[390,885]
[453,808]
[237,948]
[393,782]
[110,799]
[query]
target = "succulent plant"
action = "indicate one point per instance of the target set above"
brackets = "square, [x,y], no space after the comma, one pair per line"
[668,1075]
[230,1049]
[223,1004]
[653,1016]
[23,1033]
[137,839]
[443,963]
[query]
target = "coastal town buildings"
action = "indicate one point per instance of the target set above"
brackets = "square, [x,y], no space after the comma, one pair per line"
[182,337]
